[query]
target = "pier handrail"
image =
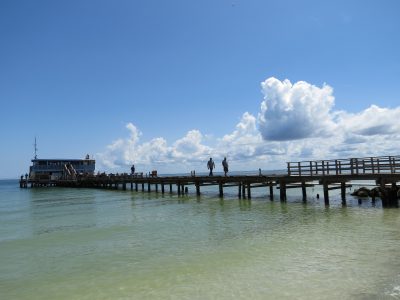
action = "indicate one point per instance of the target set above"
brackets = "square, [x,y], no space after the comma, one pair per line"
[353,166]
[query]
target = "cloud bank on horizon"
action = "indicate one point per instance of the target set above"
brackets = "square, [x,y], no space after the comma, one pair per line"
[296,122]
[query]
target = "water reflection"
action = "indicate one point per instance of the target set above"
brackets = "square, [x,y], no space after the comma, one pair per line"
[61,210]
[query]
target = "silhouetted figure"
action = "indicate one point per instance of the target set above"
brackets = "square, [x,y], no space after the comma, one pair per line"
[133,169]
[225,165]
[210,166]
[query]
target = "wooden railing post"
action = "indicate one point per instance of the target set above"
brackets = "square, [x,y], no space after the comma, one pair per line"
[299,166]
[357,166]
[390,164]
[288,168]
[379,167]
[323,167]
[311,168]
[351,166]
[372,165]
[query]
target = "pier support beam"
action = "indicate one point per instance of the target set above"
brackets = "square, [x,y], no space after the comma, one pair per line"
[389,196]
[221,190]
[248,190]
[170,188]
[162,188]
[326,194]
[282,191]
[240,190]
[23,183]
[271,191]
[304,191]
[244,190]
[179,188]
[343,192]
[198,188]
[393,194]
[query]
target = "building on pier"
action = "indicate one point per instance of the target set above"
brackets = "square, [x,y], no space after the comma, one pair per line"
[56,169]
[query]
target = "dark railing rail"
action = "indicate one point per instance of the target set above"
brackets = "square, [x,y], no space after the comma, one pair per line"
[350,166]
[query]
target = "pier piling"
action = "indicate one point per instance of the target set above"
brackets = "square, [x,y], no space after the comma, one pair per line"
[303,191]
[282,190]
[326,193]
[248,190]
[271,191]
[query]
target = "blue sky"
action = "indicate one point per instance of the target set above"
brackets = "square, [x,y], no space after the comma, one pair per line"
[122,79]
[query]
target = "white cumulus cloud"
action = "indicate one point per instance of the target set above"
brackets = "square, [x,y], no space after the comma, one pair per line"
[296,122]
[372,121]
[295,111]
[190,147]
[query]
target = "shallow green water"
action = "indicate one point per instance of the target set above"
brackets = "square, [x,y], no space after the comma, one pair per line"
[95,244]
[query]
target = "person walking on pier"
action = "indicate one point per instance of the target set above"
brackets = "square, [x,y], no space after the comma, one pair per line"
[210,166]
[225,165]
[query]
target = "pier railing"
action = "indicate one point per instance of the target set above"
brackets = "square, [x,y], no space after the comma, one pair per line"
[350,166]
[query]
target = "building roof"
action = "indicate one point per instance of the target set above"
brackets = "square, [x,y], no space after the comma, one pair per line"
[61,159]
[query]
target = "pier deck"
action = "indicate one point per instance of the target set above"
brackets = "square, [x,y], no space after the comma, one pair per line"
[331,174]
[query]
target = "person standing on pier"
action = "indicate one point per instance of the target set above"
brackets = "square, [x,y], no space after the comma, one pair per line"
[225,165]
[210,166]
[133,169]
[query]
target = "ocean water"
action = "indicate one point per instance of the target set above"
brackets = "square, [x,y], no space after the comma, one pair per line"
[60,243]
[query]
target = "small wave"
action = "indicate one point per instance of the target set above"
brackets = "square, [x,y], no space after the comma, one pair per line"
[394,293]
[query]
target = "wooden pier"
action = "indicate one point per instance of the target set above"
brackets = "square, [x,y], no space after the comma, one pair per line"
[331,174]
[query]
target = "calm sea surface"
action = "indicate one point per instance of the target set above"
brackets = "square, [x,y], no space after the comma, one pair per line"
[59,243]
